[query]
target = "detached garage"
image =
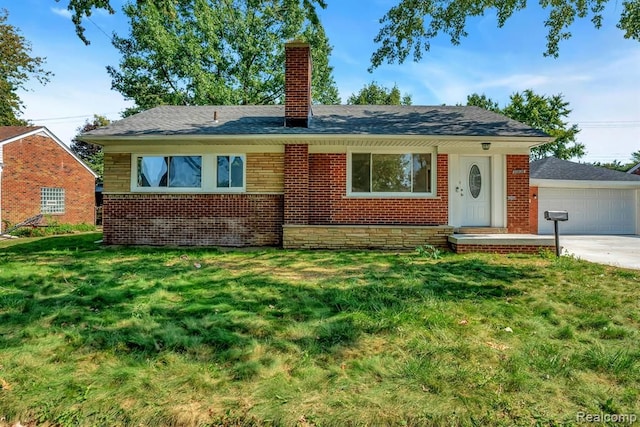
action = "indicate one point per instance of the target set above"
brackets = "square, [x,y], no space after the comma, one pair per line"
[599,200]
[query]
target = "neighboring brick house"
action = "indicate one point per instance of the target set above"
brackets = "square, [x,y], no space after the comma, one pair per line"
[635,170]
[39,174]
[312,176]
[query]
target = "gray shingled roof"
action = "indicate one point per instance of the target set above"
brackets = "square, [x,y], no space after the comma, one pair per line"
[552,168]
[327,119]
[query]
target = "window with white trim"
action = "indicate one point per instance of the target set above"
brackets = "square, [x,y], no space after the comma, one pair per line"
[391,173]
[216,172]
[229,172]
[52,200]
[170,171]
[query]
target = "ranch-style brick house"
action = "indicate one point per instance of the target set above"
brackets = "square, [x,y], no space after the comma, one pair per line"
[313,176]
[39,174]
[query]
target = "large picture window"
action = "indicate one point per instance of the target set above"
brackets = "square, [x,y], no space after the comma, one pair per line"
[391,173]
[52,200]
[170,171]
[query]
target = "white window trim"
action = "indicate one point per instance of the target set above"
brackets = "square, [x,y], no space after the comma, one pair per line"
[209,174]
[394,195]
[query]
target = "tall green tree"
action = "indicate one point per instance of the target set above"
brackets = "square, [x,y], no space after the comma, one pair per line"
[17,67]
[409,27]
[376,94]
[91,154]
[546,113]
[204,52]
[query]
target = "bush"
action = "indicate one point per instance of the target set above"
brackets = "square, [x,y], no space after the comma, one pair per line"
[52,229]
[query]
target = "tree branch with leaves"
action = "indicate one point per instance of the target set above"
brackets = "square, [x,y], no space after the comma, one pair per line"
[409,27]
[17,67]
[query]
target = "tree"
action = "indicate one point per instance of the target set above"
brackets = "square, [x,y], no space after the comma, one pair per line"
[546,113]
[375,94]
[194,53]
[17,67]
[409,27]
[618,165]
[91,154]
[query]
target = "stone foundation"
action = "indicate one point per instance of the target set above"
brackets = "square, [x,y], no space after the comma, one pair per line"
[363,236]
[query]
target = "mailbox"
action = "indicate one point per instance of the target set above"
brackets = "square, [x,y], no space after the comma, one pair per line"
[556,215]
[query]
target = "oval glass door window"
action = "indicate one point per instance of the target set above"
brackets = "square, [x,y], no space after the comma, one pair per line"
[475,181]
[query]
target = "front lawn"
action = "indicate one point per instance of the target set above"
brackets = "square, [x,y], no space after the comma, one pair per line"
[93,335]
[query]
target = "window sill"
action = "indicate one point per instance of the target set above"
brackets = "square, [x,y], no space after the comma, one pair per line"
[186,191]
[391,196]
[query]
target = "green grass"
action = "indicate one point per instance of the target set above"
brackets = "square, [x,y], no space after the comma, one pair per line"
[93,335]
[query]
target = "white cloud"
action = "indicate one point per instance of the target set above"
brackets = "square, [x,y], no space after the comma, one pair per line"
[65,13]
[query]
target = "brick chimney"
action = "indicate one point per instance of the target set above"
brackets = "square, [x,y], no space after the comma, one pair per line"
[297,85]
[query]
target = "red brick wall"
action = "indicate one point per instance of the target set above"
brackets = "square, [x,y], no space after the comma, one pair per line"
[193,219]
[518,194]
[297,83]
[296,184]
[533,210]
[328,203]
[38,161]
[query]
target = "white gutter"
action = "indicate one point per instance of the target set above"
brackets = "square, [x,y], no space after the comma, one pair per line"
[566,183]
[313,139]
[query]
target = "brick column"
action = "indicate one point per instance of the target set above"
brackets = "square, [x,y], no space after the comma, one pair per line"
[296,184]
[518,194]
[533,210]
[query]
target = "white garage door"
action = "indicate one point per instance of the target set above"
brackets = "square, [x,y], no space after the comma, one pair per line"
[591,210]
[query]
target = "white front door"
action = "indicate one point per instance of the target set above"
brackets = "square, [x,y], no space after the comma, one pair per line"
[475,191]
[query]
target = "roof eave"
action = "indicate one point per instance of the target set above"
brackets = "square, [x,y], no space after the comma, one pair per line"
[582,183]
[337,139]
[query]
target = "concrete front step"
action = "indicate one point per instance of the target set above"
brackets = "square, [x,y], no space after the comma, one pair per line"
[501,243]
[480,230]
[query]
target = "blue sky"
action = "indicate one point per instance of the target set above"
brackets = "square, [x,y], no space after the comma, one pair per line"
[597,71]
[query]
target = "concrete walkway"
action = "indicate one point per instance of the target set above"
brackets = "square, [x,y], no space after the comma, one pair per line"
[619,251]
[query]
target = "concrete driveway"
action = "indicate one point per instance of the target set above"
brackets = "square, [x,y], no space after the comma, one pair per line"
[619,251]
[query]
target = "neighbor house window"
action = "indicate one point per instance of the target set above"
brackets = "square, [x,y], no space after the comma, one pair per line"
[391,173]
[52,200]
[170,171]
[230,172]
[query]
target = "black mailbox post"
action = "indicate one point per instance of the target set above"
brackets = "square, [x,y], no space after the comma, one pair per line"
[556,216]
